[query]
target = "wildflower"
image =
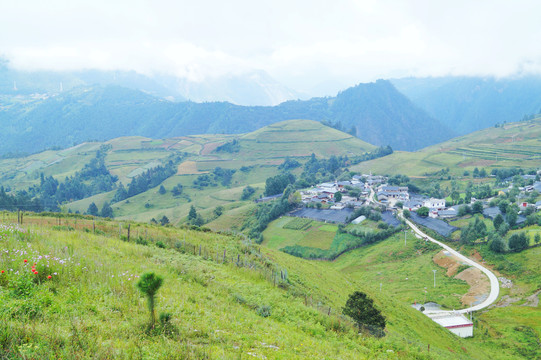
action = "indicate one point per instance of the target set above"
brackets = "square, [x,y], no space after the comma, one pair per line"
[49,277]
[2,271]
[25,260]
[35,272]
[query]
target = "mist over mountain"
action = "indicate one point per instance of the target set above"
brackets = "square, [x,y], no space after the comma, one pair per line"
[466,104]
[248,88]
[378,113]
[252,88]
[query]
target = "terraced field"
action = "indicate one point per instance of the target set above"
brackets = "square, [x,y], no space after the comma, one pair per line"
[514,145]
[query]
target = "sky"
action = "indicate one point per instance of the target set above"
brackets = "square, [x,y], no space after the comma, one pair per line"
[305,45]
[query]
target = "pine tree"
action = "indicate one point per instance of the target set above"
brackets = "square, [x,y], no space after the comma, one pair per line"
[149,284]
[192,215]
[106,211]
[362,310]
[92,209]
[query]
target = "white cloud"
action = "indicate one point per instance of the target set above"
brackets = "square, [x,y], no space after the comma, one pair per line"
[302,43]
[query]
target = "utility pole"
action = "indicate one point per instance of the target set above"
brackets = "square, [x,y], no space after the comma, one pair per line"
[405,232]
[434,271]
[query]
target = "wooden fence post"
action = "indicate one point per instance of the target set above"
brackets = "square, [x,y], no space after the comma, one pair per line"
[223,261]
[129,232]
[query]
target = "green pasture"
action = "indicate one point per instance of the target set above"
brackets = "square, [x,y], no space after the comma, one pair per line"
[402,270]
[316,234]
[515,145]
[93,295]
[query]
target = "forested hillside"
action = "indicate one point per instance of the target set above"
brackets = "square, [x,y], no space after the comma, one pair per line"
[378,113]
[467,104]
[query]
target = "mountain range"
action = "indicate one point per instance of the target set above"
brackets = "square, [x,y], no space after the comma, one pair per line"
[43,109]
[375,112]
[467,104]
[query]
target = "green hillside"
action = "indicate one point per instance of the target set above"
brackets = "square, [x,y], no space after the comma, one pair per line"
[403,270]
[300,138]
[233,307]
[511,145]
[254,158]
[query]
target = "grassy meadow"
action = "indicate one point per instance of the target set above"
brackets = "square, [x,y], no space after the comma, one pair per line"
[81,301]
[297,231]
[257,155]
[513,145]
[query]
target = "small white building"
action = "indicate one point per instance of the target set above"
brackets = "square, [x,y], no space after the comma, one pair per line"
[433,203]
[453,321]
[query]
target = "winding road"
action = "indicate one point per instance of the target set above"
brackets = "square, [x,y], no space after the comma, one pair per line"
[494,285]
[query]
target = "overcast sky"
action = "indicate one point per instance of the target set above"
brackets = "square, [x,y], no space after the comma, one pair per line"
[300,43]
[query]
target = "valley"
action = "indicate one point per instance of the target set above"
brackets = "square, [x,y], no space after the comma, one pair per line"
[174,191]
[270,180]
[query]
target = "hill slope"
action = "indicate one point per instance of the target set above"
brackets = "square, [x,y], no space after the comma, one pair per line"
[219,307]
[513,145]
[467,104]
[377,111]
[255,157]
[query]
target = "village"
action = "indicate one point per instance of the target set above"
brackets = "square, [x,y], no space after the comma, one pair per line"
[336,195]
[333,198]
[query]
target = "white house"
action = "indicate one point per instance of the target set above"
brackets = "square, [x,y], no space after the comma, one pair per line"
[432,203]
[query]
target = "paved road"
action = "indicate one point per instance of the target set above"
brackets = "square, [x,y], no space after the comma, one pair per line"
[494,285]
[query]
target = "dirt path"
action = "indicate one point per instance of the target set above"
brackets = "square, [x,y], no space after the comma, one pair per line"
[479,286]
[478,282]
[532,300]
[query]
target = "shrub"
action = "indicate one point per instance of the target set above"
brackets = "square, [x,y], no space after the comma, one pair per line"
[160,244]
[247,192]
[141,241]
[423,211]
[264,311]
[518,242]
[165,318]
[497,244]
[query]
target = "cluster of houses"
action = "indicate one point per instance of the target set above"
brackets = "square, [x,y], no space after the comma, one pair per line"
[435,206]
[396,193]
[325,193]
[389,195]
